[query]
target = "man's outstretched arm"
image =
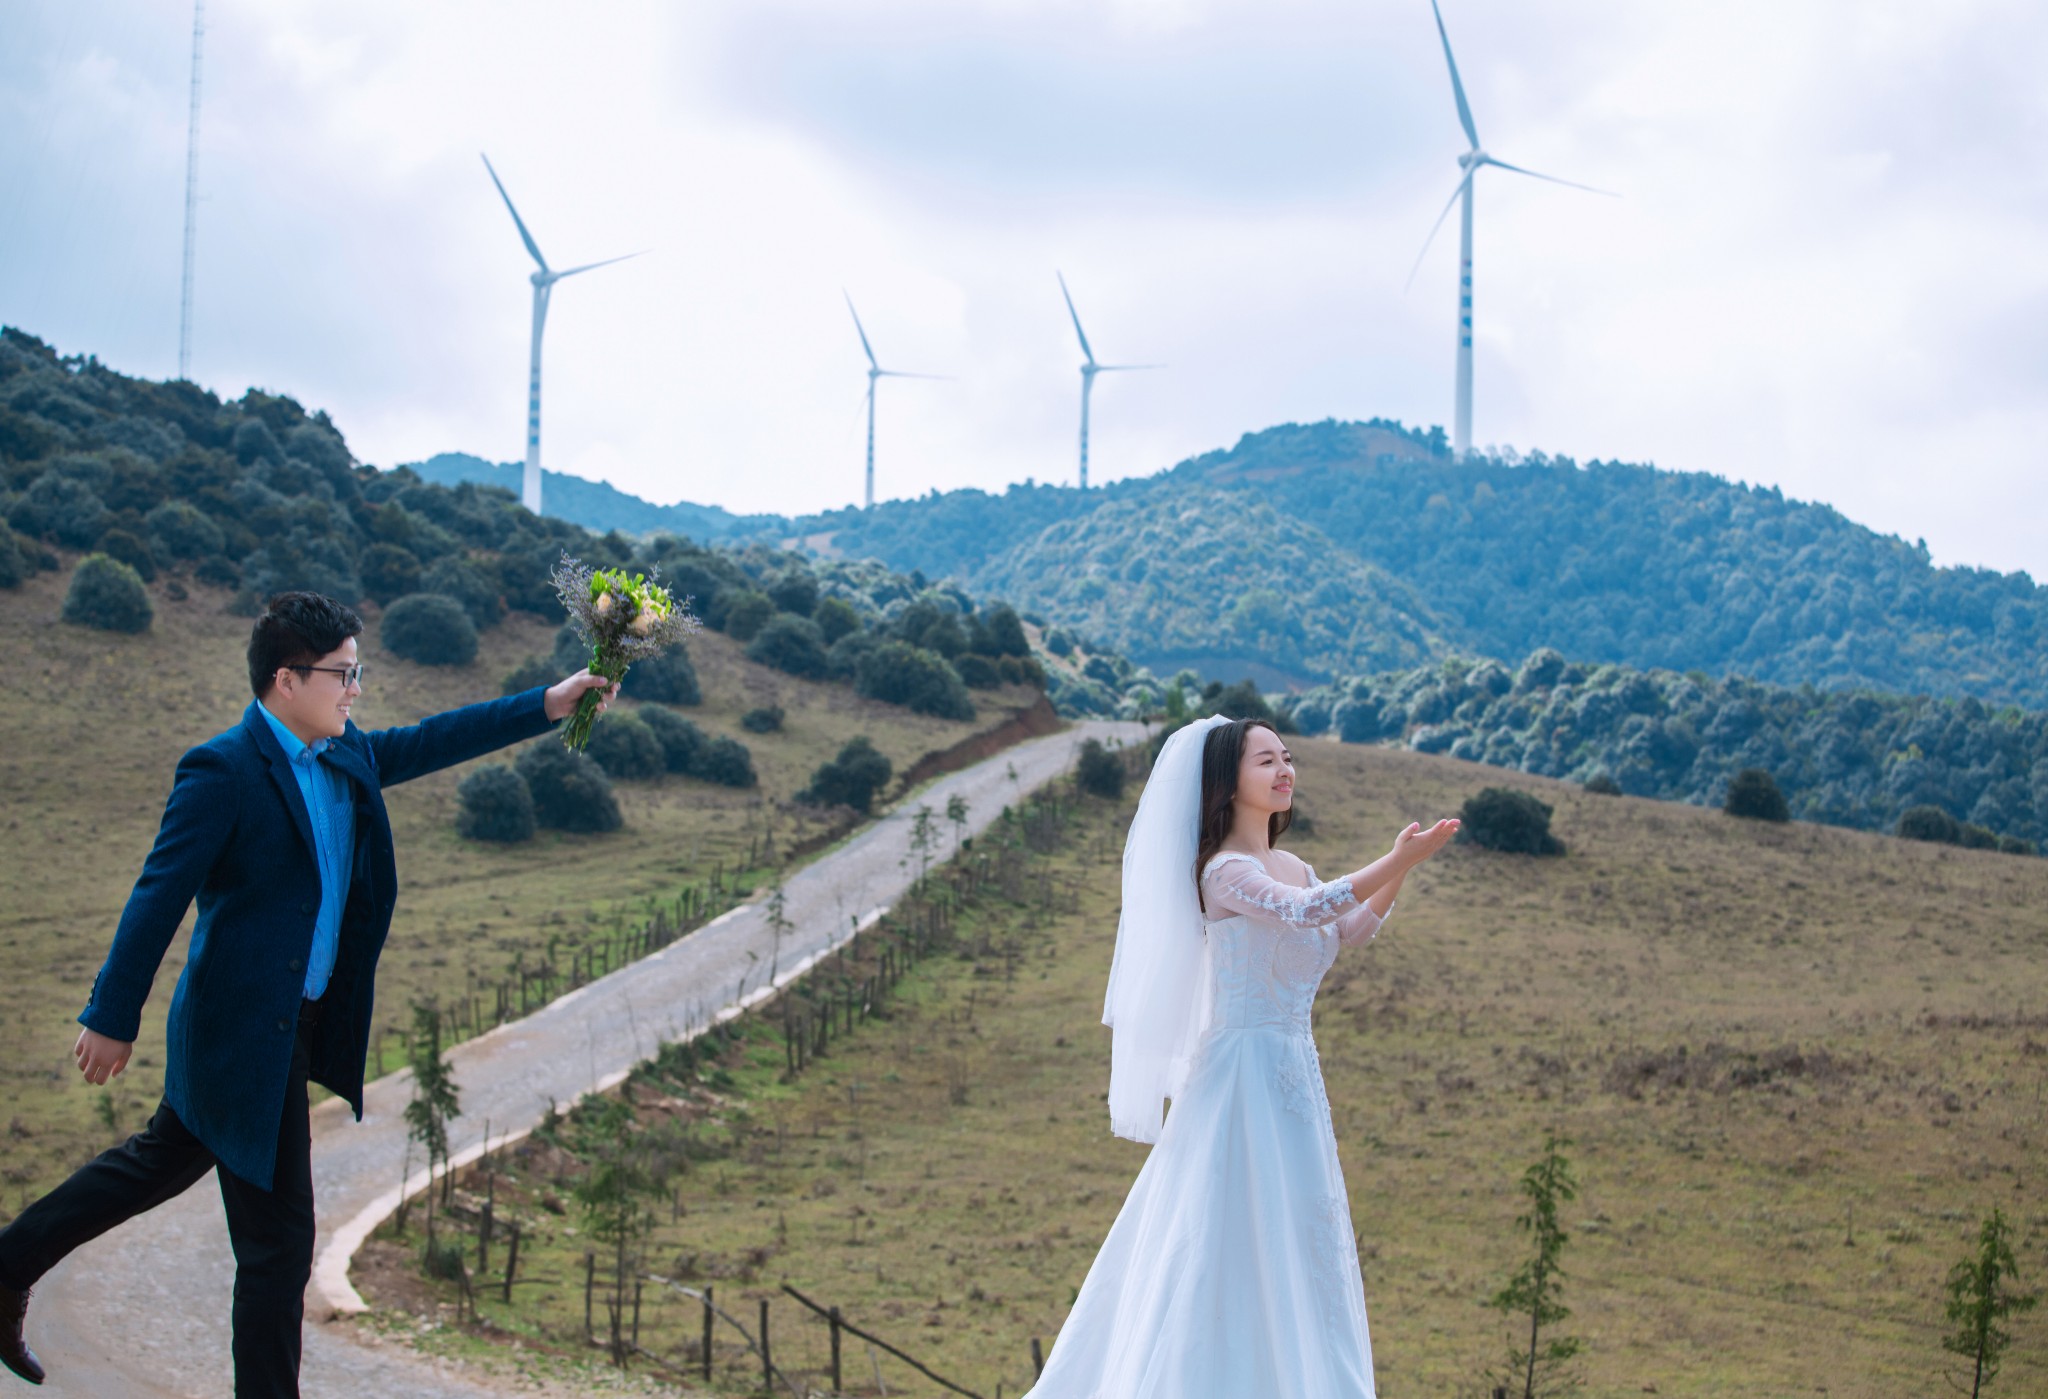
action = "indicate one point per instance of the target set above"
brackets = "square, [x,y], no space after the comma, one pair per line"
[476,729]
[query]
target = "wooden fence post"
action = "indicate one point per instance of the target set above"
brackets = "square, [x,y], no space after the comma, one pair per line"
[834,1319]
[707,1333]
[589,1286]
[511,1263]
[767,1367]
[1037,1358]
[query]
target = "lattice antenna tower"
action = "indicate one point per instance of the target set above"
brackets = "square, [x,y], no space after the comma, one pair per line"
[191,196]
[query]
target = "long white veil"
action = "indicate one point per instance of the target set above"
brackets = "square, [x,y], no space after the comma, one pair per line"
[1155,980]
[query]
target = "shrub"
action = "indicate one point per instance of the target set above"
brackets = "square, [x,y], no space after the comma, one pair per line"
[835,618]
[682,742]
[218,570]
[921,681]
[668,678]
[792,644]
[1971,836]
[127,546]
[1021,670]
[469,585]
[626,748]
[13,567]
[1602,785]
[107,594]
[1501,818]
[495,805]
[389,572]
[977,672]
[1059,643]
[62,507]
[998,632]
[429,629]
[842,662]
[746,613]
[181,531]
[1098,772]
[2013,845]
[851,779]
[534,670]
[1930,823]
[727,762]
[795,591]
[1753,793]
[572,652]
[570,792]
[765,720]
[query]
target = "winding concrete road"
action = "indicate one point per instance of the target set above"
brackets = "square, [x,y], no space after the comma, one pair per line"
[142,1313]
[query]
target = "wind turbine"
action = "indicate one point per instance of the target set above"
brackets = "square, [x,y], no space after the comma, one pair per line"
[543,279]
[1089,369]
[1469,162]
[875,371]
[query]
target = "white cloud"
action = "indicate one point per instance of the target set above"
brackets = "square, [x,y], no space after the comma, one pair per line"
[1826,270]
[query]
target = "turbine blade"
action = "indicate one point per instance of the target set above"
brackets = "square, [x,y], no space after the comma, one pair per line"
[1113,368]
[1572,184]
[1086,353]
[873,363]
[1457,87]
[606,263]
[531,246]
[905,374]
[1460,190]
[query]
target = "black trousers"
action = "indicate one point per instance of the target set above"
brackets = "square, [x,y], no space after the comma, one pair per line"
[271,1231]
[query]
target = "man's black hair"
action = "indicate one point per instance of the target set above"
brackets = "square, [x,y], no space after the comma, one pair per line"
[296,629]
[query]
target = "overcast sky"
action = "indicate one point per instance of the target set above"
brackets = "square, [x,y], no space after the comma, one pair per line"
[1827,268]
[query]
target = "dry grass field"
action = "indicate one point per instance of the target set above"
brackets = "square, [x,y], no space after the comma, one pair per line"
[94,723]
[1798,1065]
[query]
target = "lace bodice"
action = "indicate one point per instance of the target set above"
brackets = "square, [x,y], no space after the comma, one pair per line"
[1270,943]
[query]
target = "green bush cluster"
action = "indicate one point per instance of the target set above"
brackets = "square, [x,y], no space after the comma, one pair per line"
[1099,772]
[495,804]
[107,594]
[1502,818]
[1844,758]
[850,779]
[569,791]
[429,629]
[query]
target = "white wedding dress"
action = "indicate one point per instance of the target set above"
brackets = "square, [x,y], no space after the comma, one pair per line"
[1232,1271]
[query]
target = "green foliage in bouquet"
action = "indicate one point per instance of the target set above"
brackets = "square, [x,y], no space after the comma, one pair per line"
[624,620]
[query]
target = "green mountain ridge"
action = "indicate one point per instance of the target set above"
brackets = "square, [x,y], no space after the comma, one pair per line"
[599,505]
[1308,552]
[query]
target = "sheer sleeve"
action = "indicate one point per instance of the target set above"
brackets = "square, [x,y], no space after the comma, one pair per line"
[1357,924]
[1238,883]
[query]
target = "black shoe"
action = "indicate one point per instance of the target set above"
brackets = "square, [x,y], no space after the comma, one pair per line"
[14,1351]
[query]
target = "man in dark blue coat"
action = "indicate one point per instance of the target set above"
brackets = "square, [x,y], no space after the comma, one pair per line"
[277,827]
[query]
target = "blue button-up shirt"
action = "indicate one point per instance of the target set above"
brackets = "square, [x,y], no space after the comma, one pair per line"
[331,805]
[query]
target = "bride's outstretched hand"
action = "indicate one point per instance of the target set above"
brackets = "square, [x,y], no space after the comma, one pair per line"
[1414,845]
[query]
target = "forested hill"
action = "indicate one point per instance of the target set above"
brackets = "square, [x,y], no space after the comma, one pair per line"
[599,505]
[1372,537]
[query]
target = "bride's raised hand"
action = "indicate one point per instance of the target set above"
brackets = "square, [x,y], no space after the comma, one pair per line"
[1414,845]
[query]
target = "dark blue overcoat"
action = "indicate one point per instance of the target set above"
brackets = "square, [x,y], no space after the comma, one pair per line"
[237,837]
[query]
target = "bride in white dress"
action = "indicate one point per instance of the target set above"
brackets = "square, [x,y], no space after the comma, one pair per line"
[1231,1271]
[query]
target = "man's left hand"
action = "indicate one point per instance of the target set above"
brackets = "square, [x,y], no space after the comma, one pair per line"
[563,698]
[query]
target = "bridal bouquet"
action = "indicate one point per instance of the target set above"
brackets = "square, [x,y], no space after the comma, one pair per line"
[624,620]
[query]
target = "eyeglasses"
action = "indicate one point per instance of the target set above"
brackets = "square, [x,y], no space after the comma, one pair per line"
[350,675]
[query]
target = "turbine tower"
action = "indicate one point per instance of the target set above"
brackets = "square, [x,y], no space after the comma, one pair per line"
[191,197]
[1089,369]
[875,371]
[1469,162]
[544,279]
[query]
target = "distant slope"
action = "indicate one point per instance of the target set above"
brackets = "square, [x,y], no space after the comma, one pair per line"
[598,505]
[1606,562]
[1843,758]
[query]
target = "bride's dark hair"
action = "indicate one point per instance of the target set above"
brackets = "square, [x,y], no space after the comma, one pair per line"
[1222,754]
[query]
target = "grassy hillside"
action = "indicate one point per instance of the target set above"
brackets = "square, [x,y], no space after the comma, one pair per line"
[1798,1064]
[95,722]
